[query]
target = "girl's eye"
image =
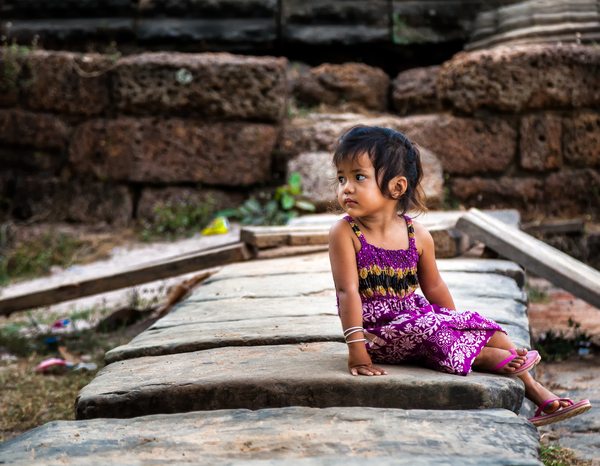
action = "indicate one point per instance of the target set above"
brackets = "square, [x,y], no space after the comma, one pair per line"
[360,177]
[341,179]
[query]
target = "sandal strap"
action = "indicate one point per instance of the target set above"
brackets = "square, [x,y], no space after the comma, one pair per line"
[547,402]
[507,360]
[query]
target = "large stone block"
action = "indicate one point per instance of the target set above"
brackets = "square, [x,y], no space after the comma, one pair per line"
[540,143]
[151,150]
[318,177]
[507,192]
[28,129]
[73,34]
[257,377]
[214,9]
[66,82]
[570,193]
[27,9]
[81,201]
[319,22]
[31,160]
[219,86]
[582,139]
[415,91]
[464,146]
[293,436]
[151,198]
[207,35]
[353,83]
[435,22]
[521,78]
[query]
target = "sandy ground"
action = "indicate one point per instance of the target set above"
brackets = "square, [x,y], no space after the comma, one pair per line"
[123,257]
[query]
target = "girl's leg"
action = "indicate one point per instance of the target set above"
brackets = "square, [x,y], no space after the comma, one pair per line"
[537,393]
[497,350]
[534,391]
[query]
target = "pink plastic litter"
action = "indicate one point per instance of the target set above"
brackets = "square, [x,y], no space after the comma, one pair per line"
[51,363]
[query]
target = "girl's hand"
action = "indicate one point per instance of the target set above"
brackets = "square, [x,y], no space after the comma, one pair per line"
[361,364]
[366,369]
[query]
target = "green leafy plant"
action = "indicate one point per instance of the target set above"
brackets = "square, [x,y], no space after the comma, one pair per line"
[180,217]
[558,347]
[277,211]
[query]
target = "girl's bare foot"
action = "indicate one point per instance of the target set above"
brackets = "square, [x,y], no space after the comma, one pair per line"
[490,357]
[537,394]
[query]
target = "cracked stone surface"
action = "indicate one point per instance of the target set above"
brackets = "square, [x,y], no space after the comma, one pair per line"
[291,436]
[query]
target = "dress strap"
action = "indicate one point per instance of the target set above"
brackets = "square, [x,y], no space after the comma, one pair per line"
[356,230]
[411,232]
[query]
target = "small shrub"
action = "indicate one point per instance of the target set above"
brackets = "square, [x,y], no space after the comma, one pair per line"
[558,347]
[278,211]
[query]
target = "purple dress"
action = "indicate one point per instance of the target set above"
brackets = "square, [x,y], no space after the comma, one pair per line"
[401,325]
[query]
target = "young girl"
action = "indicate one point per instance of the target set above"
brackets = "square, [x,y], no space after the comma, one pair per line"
[379,257]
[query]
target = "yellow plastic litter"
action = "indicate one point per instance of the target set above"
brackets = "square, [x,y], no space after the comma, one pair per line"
[218,226]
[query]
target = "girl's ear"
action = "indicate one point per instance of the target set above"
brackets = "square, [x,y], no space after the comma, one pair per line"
[398,186]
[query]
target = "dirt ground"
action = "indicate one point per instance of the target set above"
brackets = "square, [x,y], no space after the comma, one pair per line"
[577,377]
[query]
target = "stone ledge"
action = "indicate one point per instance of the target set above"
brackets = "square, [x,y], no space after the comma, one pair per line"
[296,436]
[258,377]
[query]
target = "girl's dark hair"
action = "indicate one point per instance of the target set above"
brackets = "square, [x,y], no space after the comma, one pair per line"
[391,154]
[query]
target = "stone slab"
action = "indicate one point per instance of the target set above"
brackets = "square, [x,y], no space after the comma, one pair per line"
[250,332]
[292,436]
[304,284]
[200,326]
[269,302]
[257,377]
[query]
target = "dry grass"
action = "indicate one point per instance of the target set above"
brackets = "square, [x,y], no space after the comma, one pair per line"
[555,455]
[29,399]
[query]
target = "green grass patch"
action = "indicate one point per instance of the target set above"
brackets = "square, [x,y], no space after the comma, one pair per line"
[178,218]
[555,455]
[35,257]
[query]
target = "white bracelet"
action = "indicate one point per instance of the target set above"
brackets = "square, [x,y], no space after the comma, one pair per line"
[354,341]
[350,330]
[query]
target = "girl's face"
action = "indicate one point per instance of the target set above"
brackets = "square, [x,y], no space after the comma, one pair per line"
[358,192]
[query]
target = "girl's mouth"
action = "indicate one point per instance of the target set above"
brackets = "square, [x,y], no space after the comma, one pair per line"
[349,202]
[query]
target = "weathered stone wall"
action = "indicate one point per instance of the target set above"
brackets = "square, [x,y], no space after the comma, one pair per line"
[512,127]
[87,138]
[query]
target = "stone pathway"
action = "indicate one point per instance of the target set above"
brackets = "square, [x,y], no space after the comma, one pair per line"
[264,335]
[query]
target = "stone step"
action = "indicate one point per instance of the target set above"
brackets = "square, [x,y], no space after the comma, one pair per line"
[257,377]
[274,302]
[291,436]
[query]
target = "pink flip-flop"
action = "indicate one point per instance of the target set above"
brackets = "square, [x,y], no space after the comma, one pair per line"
[561,413]
[532,358]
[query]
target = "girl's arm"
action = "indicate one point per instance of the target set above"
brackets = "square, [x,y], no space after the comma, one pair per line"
[342,255]
[432,285]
